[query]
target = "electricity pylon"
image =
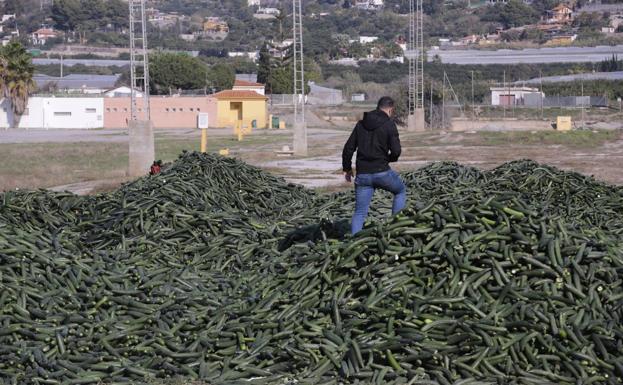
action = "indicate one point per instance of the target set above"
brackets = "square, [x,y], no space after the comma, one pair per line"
[300,128]
[141,132]
[415,55]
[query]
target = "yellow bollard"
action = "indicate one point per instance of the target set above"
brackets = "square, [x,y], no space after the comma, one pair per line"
[204,140]
[239,130]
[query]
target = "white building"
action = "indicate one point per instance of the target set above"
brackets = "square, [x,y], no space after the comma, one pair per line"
[254,3]
[7,17]
[511,96]
[368,39]
[42,35]
[269,11]
[56,113]
[253,55]
[243,85]
[370,5]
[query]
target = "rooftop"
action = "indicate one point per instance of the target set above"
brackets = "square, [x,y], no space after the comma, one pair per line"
[238,94]
[244,83]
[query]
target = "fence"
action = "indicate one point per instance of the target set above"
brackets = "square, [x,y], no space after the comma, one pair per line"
[325,98]
[536,100]
[281,99]
[318,99]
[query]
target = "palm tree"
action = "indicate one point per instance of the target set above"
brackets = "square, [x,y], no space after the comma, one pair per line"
[16,78]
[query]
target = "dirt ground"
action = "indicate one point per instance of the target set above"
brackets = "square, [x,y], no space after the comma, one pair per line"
[597,153]
[92,161]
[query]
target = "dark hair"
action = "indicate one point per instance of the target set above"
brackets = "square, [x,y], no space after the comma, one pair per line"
[385,102]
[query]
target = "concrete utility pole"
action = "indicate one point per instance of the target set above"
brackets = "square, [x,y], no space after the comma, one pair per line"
[300,127]
[141,131]
[415,55]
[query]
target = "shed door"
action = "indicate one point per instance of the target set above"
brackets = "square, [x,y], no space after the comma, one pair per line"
[507,100]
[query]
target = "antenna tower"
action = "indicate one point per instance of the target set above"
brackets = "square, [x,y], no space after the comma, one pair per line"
[139,61]
[415,56]
[300,128]
[140,128]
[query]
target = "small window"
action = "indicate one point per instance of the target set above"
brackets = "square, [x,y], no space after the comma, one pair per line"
[174,109]
[140,110]
[91,110]
[62,114]
[181,110]
[125,110]
[198,109]
[115,109]
[167,109]
[108,109]
[192,109]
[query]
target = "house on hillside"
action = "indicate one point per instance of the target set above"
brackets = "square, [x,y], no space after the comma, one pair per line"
[215,28]
[279,50]
[252,55]
[42,35]
[471,39]
[215,24]
[369,5]
[7,17]
[560,14]
[367,39]
[163,20]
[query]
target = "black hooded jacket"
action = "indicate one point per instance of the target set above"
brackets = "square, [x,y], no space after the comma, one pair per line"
[375,138]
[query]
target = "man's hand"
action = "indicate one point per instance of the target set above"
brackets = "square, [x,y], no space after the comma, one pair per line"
[348,176]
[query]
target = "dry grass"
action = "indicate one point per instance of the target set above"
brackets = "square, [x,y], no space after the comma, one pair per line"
[46,165]
[40,165]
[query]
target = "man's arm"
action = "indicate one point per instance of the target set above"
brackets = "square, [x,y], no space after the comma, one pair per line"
[394,143]
[349,149]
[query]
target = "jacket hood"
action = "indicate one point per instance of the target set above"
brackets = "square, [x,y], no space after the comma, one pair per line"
[374,119]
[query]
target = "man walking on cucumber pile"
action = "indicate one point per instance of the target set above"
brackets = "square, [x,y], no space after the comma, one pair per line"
[376,140]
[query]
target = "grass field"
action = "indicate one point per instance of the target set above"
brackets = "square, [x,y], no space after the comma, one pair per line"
[45,165]
[102,165]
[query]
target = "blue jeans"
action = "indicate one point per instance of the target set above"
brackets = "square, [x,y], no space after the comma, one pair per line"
[365,184]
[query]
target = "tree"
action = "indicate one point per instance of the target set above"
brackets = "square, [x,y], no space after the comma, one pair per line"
[611,65]
[221,77]
[66,14]
[516,13]
[590,21]
[281,80]
[89,15]
[117,14]
[172,71]
[263,70]
[16,77]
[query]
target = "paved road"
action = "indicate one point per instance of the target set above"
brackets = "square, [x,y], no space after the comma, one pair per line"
[86,62]
[528,56]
